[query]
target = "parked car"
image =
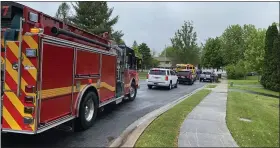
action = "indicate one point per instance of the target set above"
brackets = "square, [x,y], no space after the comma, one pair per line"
[206,76]
[185,76]
[251,74]
[161,77]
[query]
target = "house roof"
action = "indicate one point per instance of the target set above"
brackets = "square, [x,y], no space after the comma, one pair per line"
[162,59]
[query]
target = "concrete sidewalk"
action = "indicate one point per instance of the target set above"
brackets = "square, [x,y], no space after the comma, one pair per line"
[206,126]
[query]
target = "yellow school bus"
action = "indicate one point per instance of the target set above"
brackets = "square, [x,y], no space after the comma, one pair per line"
[186,66]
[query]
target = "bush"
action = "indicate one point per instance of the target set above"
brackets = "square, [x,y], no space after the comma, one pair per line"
[236,71]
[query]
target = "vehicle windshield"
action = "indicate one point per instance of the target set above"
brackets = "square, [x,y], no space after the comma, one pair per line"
[183,73]
[157,72]
[182,67]
[207,73]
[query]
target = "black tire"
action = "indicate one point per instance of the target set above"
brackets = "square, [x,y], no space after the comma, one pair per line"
[81,123]
[176,85]
[150,86]
[170,86]
[131,98]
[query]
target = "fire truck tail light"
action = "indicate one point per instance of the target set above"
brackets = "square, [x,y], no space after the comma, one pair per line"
[166,78]
[29,99]
[30,89]
[28,110]
[27,120]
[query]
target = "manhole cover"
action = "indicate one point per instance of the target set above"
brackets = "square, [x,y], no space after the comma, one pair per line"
[244,119]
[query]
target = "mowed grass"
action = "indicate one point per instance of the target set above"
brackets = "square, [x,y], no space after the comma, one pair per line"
[164,131]
[244,82]
[256,89]
[253,77]
[143,75]
[252,84]
[211,86]
[250,80]
[263,131]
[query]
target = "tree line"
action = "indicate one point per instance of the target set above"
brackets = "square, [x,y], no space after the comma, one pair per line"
[184,47]
[92,16]
[243,49]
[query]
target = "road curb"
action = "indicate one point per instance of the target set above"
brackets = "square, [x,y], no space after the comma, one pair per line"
[130,135]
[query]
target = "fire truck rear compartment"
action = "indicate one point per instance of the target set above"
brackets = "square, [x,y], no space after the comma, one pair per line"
[57,81]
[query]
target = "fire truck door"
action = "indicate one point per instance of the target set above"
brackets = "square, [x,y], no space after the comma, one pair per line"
[57,81]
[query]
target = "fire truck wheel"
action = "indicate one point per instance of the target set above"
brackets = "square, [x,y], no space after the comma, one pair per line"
[88,112]
[132,92]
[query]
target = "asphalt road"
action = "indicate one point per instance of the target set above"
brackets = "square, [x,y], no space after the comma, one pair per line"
[109,124]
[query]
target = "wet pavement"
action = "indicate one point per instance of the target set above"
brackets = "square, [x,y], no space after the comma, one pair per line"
[109,124]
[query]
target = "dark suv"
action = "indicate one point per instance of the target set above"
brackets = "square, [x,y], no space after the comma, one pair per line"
[185,76]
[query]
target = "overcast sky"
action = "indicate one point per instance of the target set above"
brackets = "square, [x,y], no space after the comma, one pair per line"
[156,22]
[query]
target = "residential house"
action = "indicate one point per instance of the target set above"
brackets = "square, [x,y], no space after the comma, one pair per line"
[164,62]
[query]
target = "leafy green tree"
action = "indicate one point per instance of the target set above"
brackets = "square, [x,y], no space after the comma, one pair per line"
[145,51]
[270,59]
[212,57]
[154,63]
[95,17]
[136,49]
[121,41]
[232,44]
[254,44]
[117,36]
[168,51]
[63,12]
[184,43]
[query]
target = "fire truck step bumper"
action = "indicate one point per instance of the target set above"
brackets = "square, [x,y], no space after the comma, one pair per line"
[55,123]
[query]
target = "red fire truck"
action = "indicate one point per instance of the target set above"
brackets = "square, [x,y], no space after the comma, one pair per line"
[54,73]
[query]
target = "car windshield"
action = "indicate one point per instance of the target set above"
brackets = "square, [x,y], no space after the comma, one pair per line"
[183,73]
[157,72]
[207,73]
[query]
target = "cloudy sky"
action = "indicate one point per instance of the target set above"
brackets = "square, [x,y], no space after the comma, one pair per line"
[156,22]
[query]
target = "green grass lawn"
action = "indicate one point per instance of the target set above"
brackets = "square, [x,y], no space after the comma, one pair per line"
[244,82]
[211,86]
[251,80]
[263,131]
[256,89]
[164,131]
[252,77]
[143,75]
